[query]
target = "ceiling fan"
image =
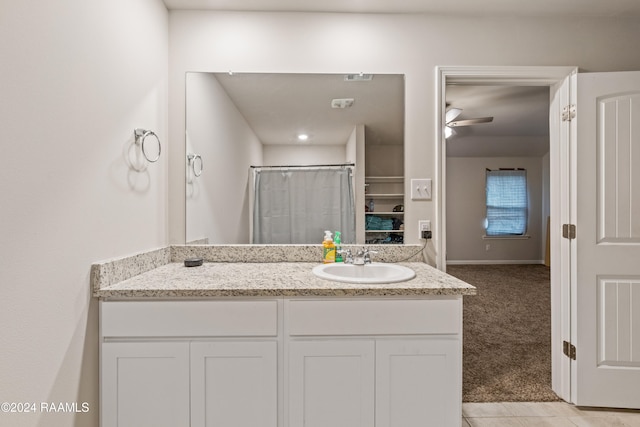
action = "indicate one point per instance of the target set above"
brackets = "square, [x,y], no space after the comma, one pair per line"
[451,123]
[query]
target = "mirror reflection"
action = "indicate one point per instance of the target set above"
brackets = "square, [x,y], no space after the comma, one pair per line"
[343,133]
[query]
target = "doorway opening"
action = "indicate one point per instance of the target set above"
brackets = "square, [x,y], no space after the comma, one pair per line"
[545,77]
[498,207]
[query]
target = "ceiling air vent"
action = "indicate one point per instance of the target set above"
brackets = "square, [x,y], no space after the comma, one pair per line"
[358,77]
[342,102]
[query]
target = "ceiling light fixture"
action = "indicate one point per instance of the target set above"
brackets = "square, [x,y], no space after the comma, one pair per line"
[448,132]
[303,137]
[342,102]
[451,114]
[361,77]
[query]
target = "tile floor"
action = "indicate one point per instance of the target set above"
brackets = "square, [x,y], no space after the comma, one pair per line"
[545,414]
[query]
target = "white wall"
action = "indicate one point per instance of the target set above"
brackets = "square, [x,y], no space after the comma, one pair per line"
[384,160]
[303,155]
[350,148]
[76,78]
[377,43]
[466,211]
[218,209]
[356,153]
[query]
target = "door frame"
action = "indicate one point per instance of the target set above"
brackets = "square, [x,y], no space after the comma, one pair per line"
[553,77]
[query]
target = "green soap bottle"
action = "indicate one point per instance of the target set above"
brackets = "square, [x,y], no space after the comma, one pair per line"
[337,242]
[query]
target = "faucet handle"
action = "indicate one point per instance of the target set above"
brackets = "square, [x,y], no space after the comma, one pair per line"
[367,255]
[348,256]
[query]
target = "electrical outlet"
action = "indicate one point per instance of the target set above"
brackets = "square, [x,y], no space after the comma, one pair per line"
[423,225]
[487,247]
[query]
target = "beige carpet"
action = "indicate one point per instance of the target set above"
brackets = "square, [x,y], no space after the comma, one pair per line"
[507,333]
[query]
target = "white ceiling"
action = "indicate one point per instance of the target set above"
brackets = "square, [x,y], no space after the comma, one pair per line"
[280,106]
[457,7]
[520,125]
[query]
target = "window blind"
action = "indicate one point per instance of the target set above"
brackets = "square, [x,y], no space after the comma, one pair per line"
[507,202]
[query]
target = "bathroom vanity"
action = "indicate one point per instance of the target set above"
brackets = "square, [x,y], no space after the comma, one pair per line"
[269,344]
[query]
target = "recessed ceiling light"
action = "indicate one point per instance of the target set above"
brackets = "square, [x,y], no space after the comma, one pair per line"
[303,137]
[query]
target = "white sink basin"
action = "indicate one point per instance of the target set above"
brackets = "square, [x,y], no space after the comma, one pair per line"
[376,272]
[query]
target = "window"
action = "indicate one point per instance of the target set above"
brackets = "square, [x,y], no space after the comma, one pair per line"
[507,202]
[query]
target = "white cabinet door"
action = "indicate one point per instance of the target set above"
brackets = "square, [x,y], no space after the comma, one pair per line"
[418,382]
[145,384]
[331,383]
[234,384]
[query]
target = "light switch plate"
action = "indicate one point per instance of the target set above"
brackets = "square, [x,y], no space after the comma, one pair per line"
[421,189]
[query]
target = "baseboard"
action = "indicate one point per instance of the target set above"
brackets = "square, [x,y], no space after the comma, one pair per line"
[495,261]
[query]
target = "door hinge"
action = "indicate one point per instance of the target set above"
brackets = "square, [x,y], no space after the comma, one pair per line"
[569,113]
[569,350]
[568,231]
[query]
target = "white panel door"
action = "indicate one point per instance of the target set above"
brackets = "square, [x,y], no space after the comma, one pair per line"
[234,384]
[606,283]
[418,382]
[331,383]
[560,192]
[145,384]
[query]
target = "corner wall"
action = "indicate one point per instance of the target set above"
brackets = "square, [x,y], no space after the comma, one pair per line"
[76,78]
[218,132]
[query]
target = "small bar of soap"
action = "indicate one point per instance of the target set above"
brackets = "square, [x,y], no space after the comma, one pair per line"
[193,262]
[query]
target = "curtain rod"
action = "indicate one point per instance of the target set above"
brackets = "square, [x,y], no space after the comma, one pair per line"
[304,166]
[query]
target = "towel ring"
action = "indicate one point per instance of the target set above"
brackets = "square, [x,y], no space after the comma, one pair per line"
[192,161]
[141,136]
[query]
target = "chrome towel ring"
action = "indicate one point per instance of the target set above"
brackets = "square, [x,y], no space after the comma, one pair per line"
[141,136]
[192,158]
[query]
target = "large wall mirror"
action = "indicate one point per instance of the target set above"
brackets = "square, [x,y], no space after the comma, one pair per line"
[237,123]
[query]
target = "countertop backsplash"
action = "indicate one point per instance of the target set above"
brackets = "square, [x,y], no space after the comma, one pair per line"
[110,272]
[288,253]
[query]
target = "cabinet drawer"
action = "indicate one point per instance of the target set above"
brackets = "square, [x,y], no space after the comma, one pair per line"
[189,318]
[375,317]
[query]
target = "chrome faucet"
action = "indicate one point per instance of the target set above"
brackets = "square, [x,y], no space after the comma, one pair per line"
[363,256]
[347,256]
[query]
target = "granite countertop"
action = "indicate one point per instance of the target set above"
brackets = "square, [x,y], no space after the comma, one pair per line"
[167,277]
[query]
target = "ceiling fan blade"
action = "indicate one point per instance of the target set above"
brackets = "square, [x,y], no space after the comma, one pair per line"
[451,114]
[469,122]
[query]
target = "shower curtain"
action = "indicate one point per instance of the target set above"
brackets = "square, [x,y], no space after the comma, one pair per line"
[296,205]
